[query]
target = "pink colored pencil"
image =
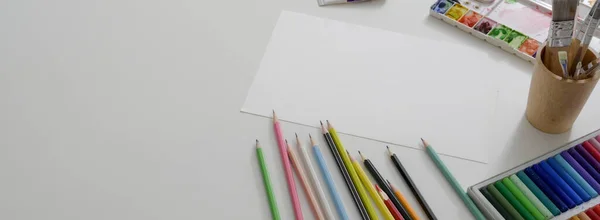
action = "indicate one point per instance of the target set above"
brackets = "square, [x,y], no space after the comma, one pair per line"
[287,168]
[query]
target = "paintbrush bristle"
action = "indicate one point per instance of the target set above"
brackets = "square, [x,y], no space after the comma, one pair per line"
[564,10]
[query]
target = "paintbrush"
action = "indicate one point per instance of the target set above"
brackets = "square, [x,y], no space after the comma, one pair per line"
[581,40]
[561,31]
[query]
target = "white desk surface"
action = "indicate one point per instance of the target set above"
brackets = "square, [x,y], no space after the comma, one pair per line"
[129,109]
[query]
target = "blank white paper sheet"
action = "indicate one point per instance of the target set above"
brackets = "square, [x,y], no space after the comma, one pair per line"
[375,84]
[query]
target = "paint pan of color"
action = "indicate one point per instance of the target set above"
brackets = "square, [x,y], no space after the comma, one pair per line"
[485,25]
[515,39]
[523,18]
[500,32]
[442,6]
[470,19]
[456,12]
[529,46]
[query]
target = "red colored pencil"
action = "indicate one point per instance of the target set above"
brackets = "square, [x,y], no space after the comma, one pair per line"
[592,150]
[389,203]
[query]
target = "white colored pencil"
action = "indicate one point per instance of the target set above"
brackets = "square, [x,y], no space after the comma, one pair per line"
[315,181]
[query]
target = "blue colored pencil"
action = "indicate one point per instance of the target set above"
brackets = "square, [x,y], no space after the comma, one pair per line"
[554,185]
[546,189]
[562,172]
[339,205]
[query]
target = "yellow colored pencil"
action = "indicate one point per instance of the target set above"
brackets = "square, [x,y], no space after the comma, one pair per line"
[404,202]
[371,189]
[357,184]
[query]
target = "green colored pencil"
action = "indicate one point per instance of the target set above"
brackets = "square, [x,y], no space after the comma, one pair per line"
[267,181]
[461,193]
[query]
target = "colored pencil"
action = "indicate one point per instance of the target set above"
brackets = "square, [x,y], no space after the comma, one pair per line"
[522,199]
[328,214]
[308,190]
[531,197]
[339,205]
[267,181]
[568,179]
[403,200]
[513,201]
[538,193]
[574,218]
[342,167]
[546,189]
[411,185]
[389,203]
[385,187]
[504,202]
[370,210]
[450,178]
[287,167]
[372,192]
[357,184]
[578,178]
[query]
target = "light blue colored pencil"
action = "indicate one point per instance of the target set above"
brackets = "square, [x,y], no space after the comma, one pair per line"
[339,205]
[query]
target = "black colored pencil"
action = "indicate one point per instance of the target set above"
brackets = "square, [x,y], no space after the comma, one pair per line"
[349,183]
[385,187]
[411,185]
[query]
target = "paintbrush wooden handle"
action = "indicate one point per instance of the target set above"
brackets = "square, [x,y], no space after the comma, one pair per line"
[573,56]
[550,59]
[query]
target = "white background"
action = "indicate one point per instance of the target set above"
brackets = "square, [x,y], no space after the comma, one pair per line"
[129,109]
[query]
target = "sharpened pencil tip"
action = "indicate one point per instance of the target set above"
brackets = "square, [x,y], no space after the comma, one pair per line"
[275,119]
[329,124]
[361,156]
[286,141]
[323,128]
[424,142]
[257,144]
[389,151]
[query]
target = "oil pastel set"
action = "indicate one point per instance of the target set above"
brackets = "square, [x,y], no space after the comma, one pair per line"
[558,185]
[519,27]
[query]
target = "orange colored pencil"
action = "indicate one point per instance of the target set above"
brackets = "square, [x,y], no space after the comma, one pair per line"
[404,202]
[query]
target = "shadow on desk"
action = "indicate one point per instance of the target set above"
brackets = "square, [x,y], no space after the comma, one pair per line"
[526,144]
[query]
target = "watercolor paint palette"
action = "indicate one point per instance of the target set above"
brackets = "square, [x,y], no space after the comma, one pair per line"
[557,185]
[518,26]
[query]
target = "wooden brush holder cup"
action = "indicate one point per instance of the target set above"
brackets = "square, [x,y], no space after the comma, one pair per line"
[555,102]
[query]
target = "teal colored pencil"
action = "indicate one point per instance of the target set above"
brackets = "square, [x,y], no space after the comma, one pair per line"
[457,188]
[267,181]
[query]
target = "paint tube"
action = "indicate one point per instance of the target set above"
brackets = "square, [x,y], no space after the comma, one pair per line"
[333,2]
